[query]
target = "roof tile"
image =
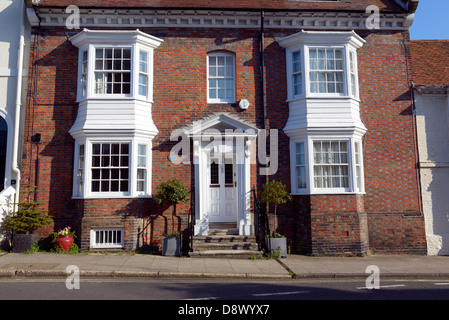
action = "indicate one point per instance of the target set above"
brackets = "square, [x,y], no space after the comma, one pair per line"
[343,5]
[430,62]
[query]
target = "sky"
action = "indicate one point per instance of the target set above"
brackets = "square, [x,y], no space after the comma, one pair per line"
[431,20]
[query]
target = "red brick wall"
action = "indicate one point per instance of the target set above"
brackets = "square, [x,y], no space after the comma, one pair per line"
[312,223]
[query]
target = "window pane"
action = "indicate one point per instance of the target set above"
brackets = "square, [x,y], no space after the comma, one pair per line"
[338,53]
[142,150]
[220,72]
[115,174]
[214,173]
[297,79]
[143,79]
[229,173]
[301,173]
[115,161]
[142,90]
[141,161]
[212,72]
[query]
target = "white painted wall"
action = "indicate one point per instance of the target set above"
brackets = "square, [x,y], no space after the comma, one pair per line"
[12,17]
[433,143]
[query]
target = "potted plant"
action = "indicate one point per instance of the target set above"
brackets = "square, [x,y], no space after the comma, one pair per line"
[25,221]
[63,239]
[275,192]
[171,192]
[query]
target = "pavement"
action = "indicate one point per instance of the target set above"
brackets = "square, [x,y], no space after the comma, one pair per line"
[292,267]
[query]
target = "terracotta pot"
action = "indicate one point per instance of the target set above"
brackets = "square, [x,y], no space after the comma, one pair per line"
[64,242]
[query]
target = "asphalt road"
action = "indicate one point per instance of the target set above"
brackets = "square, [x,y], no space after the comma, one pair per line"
[219,290]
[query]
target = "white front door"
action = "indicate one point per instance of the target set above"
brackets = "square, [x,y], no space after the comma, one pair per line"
[222,188]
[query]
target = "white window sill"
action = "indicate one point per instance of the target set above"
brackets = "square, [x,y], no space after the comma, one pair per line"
[220,102]
[322,97]
[91,197]
[305,193]
[113,97]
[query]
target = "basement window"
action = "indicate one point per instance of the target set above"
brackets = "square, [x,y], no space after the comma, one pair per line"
[107,238]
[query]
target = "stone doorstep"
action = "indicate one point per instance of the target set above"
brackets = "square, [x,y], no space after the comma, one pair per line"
[227,254]
[223,241]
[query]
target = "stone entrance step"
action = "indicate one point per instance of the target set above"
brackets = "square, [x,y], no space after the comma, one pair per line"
[223,228]
[223,241]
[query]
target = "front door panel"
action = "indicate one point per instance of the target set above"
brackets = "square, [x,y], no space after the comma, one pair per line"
[222,189]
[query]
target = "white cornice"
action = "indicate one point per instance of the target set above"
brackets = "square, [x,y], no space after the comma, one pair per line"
[115,36]
[323,37]
[220,19]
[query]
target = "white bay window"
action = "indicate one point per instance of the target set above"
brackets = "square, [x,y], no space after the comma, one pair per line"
[324,124]
[114,127]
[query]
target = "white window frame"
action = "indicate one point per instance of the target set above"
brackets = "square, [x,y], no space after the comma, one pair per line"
[143,73]
[84,56]
[113,71]
[298,166]
[308,41]
[353,186]
[326,71]
[105,171]
[89,40]
[353,74]
[142,164]
[82,184]
[330,164]
[297,72]
[106,234]
[226,77]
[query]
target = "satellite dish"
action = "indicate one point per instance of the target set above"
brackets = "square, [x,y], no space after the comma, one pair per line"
[244,104]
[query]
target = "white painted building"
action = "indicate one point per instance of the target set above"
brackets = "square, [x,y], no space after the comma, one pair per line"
[431,92]
[14,56]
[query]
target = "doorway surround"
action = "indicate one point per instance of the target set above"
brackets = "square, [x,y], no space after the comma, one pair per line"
[222,156]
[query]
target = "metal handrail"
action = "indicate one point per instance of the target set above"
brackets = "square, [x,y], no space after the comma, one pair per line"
[192,217]
[261,219]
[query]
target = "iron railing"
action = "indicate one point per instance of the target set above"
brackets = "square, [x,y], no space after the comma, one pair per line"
[192,217]
[261,223]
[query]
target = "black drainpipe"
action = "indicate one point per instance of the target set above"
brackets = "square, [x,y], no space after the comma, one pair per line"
[263,208]
[262,58]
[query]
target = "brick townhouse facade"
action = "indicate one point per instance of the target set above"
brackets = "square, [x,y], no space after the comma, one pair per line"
[141,92]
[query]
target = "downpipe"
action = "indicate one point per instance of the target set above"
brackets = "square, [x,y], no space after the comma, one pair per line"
[14,163]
